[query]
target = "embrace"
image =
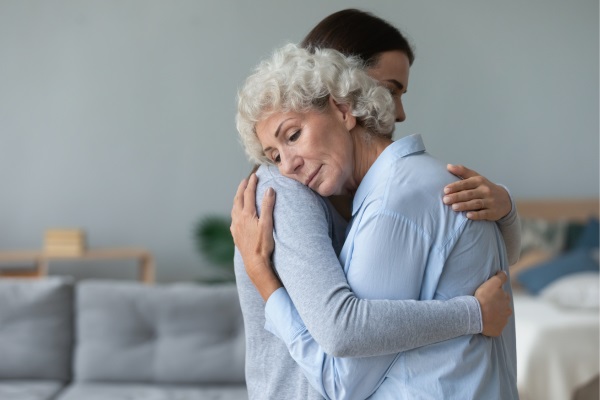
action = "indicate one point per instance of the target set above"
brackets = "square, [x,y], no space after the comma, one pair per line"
[409,297]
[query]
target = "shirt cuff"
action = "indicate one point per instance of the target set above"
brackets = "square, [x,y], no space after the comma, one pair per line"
[475,323]
[281,317]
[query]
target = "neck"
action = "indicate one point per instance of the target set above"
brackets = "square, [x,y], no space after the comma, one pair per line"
[367,149]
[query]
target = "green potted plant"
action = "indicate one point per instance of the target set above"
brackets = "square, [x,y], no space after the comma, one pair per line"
[214,242]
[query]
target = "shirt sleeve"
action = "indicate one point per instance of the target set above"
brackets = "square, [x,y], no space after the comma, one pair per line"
[510,228]
[320,318]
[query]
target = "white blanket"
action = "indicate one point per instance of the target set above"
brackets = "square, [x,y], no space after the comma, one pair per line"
[557,348]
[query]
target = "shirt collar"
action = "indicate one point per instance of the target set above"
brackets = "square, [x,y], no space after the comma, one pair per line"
[400,148]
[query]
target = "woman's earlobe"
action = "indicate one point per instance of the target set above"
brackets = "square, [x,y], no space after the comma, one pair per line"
[350,121]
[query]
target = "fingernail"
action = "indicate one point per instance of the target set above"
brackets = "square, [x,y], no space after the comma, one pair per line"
[446,199]
[446,190]
[470,215]
[455,207]
[270,192]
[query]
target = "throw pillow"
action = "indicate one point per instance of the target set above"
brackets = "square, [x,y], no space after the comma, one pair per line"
[580,290]
[578,260]
[590,237]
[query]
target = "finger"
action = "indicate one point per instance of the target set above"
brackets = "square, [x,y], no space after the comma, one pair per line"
[481,215]
[501,277]
[238,200]
[495,281]
[462,197]
[462,171]
[266,210]
[459,186]
[250,195]
[472,205]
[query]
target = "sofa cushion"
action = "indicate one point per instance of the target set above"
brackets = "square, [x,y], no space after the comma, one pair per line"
[29,389]
[179,333]
[123,391]
[36,328]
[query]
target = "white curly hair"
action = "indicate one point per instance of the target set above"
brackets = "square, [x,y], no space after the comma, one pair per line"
[299,80]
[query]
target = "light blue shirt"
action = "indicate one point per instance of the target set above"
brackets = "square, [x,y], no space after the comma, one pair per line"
[422,250]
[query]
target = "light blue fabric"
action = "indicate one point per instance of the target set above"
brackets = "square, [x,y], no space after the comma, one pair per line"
[423,250]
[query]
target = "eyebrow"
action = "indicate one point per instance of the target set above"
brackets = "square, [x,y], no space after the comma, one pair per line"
[277,131]
[396,83]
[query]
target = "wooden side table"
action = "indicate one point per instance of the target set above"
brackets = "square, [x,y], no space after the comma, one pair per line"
[41,261]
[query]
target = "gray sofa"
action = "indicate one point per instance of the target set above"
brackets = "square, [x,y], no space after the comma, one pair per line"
[108,340]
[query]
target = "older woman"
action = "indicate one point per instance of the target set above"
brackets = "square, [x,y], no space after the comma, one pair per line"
[326,124]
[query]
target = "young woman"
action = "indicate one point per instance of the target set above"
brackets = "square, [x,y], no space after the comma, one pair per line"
[381,47]
[325,123]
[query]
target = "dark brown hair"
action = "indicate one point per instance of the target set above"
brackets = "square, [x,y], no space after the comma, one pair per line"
[358,33]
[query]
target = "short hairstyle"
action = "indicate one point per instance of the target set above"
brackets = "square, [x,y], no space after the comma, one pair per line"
[358,33]
[294,79]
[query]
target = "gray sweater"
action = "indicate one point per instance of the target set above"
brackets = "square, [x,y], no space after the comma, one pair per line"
[308,236]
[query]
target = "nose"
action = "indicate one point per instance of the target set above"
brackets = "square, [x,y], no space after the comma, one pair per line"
[400,115]
[290,163]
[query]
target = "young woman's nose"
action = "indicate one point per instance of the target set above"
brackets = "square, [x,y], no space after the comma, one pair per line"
[400,115]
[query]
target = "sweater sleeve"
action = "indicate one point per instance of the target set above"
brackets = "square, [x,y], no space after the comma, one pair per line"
[510,227]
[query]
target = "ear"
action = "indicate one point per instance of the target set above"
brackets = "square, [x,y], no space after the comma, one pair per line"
[343,112]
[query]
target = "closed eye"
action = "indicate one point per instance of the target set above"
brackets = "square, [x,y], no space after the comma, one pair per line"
[294,136]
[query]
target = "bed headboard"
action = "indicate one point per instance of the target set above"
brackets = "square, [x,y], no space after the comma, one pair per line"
[559,209]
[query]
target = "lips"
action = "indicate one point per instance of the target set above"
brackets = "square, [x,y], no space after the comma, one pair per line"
[312,177]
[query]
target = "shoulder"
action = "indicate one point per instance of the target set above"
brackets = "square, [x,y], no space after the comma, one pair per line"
[298,210]
[406,171]
[269,176]
[292,199]
[413,192]
[417,179]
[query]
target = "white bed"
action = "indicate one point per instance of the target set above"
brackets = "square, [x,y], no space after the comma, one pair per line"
[557,347]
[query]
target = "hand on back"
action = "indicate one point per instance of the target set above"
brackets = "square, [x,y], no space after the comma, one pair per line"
[482,199]
[495,304]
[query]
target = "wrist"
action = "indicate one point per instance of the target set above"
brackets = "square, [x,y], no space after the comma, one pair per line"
[268,287]
[263,277]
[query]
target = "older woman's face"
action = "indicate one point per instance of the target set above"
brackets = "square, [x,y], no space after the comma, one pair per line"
[391,71]
[314,148]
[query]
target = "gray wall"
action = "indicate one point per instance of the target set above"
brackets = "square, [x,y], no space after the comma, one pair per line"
[118,116]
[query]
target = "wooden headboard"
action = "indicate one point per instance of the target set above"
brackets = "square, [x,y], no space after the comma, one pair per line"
[559,209]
